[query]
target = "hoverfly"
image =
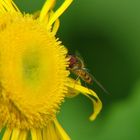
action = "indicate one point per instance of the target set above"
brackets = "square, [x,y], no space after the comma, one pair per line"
[77,67]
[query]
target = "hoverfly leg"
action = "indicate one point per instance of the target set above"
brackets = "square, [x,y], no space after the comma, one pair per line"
[76,80]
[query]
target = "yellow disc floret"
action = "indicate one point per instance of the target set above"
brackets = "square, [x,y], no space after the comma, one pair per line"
[33,72]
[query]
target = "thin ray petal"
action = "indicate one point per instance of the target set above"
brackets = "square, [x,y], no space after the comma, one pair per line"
[34,134]
[47,6]
[61,131]
[44,133]
[23,135]
[97,104]
[15,134]
[59,11]
[51,134]
[9,6]
[39,134]
[7,134]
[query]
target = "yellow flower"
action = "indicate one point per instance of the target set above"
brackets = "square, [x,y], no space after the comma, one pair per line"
[34,79]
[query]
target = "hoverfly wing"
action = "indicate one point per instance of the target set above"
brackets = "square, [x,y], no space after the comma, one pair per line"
[100,85]
[80,58]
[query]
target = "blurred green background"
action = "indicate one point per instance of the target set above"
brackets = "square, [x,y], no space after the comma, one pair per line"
[107,35]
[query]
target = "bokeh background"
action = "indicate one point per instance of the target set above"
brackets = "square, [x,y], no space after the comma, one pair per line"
[107,35]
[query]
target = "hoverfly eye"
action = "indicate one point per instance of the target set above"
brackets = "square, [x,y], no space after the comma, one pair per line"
[72,61]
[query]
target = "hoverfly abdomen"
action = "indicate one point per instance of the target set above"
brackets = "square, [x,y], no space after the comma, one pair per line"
[86,77]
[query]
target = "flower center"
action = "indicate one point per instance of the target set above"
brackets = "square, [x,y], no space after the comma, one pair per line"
[31,65]
[33,72]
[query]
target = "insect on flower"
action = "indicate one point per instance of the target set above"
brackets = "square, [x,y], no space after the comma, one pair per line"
[77,66]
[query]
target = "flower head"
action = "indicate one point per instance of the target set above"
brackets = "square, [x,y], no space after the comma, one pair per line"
[34,77]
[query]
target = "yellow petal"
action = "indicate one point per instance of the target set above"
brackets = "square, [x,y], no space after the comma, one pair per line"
[61,131]
[46,8]
[59,11]
[56,24]
[8,5]
[97,104]
[51,132]
[7,134]
[15,134]
[34,134]
[71,90]
[39,134]
[23,135]
[44,133]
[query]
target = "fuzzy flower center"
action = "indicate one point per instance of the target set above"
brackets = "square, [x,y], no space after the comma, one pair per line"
[33,72]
